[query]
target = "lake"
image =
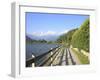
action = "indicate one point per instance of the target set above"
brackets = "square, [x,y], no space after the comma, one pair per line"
[38,48]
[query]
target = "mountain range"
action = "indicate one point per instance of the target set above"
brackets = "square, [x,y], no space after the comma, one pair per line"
[45,37]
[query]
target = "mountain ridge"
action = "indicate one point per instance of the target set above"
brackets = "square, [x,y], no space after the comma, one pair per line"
[47,38]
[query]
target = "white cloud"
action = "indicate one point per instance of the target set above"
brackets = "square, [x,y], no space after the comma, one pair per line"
[49,33]
[44,33]
[63,32]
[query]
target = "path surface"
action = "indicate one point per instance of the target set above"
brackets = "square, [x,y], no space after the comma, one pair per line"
[75,57]
[62,56]
[65,57]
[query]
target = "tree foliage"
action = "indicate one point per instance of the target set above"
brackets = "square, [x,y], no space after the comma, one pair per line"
[66,38]
[80,38]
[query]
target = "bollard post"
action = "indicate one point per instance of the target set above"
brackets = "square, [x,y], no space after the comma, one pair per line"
[33,63]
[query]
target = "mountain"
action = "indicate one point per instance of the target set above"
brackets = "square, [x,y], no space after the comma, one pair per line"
[45,37]
[28,38]
[48,35]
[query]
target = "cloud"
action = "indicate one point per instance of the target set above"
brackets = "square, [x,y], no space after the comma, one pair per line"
[63,32]
[49,33]
[44,33]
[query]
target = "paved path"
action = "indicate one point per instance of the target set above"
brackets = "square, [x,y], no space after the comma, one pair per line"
[65,57]
[75,57]
[62,57]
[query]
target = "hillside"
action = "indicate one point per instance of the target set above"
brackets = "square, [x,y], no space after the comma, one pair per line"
[81,37]
[78,38]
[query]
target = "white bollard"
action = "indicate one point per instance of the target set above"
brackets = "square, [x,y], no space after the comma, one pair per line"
[33,63]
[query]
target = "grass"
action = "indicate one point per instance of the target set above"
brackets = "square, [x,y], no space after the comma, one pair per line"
[83,59]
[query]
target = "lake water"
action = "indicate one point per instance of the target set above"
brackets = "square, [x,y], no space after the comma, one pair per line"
[38,49]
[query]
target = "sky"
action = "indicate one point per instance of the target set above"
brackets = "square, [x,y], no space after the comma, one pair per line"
[42,24]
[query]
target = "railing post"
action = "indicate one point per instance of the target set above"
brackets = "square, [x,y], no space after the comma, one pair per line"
[51,57]
[33,64]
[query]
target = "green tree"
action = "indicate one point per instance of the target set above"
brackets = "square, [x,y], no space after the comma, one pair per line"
[80,38]
[66,38]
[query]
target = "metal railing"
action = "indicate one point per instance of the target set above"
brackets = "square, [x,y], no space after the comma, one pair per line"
[43,59]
